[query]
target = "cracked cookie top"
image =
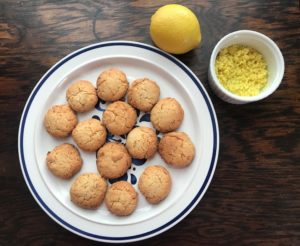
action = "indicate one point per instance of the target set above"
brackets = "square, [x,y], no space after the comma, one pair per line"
[119,118]
[112,85]
[89,135]
[177,149]
[121,198]
[60,120]
[143,94]
[155,183]
[113,160]
[141,142]
[82,96]
[64,161]
[167,115]
[88,190]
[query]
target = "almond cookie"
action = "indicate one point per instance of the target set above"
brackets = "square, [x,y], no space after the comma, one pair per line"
[112,85]
[155,184]
[141,142]
[82,96]
[119,118]
[60,120]
[88,190]
[89,135]
[113,160]
[64,161]
[121,198]
[177,149]
[167,115]
[143,94]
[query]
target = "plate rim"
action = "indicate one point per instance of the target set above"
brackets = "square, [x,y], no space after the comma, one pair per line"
[192,203]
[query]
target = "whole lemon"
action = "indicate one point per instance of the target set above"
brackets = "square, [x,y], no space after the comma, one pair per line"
[175,29]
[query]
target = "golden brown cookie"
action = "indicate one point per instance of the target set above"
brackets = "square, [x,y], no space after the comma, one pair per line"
[82,96]
[155,183]
[112,85]
[60,120]
[119,118]
[88,190]
[141,142]
[121,198]
[113,160]
[177,149]
[64,161]
[167,115]
[143,94]
[89,135]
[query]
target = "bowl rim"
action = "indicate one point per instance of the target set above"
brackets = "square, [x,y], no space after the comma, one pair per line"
[277,81]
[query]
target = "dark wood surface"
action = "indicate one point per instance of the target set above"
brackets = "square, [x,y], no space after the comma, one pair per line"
[254,198]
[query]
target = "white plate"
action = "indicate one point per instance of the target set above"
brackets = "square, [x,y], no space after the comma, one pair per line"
[189,185]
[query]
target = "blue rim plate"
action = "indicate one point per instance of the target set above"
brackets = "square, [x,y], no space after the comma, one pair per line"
[176,80]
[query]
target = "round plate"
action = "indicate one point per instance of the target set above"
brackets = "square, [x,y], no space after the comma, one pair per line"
[137,60]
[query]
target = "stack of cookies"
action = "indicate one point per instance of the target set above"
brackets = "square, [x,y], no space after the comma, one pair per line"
[89,190]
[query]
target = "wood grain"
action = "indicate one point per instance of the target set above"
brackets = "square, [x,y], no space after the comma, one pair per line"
[254,198]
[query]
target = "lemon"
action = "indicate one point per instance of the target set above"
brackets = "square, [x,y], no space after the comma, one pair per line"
[175,29]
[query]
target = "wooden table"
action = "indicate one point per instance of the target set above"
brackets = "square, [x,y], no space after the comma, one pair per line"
[254,198]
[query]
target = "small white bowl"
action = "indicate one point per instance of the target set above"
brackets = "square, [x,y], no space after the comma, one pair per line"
[262,44]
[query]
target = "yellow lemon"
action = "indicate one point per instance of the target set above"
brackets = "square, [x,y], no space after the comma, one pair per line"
[175,29]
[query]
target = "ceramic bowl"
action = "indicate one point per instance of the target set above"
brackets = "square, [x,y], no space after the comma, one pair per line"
[262,44]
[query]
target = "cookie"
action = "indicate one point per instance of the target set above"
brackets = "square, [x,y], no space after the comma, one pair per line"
[60,120]
[177,149]
[141,142]
[112,85]
[155,183]
[89,135]
[121,198]
[64,161]
[88,190]
[143,94]
[167,115]
[82,96]
[119,118]
[113,160]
